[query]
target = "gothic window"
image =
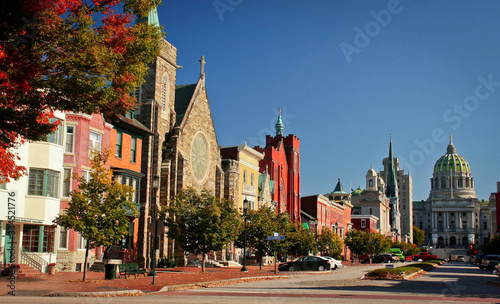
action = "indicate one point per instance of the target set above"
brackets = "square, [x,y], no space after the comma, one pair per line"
[199,157]
[164,92]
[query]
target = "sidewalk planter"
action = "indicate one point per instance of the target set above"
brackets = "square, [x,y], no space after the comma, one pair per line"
[51,270]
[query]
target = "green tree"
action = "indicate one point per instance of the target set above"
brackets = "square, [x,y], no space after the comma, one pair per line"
[493,245]
[98,207]
[260,224]
[202,223]
[329,243]
[366,242]
[418,236]
[302,240]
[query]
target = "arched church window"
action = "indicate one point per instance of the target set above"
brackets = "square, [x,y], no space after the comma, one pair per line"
[370,183]
[164,92]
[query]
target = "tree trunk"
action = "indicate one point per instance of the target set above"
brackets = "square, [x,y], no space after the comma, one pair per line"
[203,262]
[86,261]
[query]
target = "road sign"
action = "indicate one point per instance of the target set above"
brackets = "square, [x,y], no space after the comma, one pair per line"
[160,227]
[276,238]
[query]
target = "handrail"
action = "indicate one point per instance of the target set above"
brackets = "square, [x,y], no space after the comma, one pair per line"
[33,260]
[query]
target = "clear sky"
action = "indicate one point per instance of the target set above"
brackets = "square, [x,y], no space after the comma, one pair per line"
[347,74]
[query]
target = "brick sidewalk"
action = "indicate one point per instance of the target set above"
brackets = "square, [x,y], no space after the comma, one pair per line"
[71,281]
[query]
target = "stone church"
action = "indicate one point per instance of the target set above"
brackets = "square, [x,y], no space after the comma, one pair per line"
[184,151]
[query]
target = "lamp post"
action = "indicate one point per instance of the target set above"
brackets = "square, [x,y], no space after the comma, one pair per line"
[245,207]
[154,230]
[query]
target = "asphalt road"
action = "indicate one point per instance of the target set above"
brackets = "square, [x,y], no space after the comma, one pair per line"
[457,282]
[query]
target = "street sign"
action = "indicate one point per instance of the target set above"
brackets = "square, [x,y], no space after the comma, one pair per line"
[276,238]
[160,227]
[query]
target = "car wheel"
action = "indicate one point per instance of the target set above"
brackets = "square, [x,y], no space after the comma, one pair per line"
[291,268]
[334,267]
[321,268]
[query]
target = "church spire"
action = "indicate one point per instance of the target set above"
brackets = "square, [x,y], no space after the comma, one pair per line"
[451,147]
[279,125]
[391,183]
[151,18]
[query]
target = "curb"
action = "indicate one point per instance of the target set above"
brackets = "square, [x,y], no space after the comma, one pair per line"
[120,293]
[218,283]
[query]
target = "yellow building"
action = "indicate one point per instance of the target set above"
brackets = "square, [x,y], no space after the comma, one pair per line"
[241,175]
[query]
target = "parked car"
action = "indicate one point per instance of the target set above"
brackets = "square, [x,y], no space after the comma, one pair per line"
[478,258]
[334,264]
[306,263]
[489,261]
[460,258]
[408,258]
[376,259]
[424,256]
[497,270]
[391,257]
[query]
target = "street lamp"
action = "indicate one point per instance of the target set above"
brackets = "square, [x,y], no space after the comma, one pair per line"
[245,208]
[154,230]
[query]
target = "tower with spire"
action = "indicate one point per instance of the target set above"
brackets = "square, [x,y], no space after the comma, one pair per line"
[282,161]
[398,189]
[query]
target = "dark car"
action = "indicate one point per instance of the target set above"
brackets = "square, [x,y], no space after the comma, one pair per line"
[478,258]
[489,261]
[305,263]
[377,259]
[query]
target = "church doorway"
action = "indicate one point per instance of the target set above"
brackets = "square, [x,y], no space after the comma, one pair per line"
[453,241]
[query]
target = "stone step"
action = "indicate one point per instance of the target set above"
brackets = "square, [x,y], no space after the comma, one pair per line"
[97,267]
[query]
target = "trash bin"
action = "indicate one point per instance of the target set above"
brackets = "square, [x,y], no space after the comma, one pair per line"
[110,272]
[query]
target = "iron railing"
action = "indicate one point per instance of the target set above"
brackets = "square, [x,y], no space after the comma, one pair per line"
[33,260]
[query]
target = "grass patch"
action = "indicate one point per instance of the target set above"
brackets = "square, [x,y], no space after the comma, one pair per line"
[399,272]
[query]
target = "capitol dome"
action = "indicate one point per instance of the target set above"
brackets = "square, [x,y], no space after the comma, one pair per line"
[452,176]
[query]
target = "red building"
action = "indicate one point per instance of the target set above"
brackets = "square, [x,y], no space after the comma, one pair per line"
[282,162]
[332,212]
[364,222]
[125,161]
[83,132]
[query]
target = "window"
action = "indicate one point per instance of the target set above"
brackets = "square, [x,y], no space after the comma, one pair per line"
[95,141]
[80,242]
[130,114]
[252,176]
[133,149]
[67,183]
[56,136]
[31,238]
[370,183]
[128,241]
[164,92]
[485,225]
[43,182]
[363,223]
[70,139]
[371,211]
[3,184]
[63,237]
[86,175]
[118,147]
[245,177]
[464,214]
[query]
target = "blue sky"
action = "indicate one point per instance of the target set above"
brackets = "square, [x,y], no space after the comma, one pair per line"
[347,75]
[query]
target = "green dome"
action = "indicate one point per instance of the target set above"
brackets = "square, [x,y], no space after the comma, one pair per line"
[451,161]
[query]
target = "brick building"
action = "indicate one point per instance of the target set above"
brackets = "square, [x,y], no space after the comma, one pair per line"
[282,162]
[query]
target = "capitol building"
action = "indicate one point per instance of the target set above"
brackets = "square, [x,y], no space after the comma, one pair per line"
[452,216]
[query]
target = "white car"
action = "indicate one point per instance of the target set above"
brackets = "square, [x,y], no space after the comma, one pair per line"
[334,264]
[497,270]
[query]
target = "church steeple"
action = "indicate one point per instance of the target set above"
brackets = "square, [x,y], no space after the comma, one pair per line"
[151,18]
[391,182]
[279,125]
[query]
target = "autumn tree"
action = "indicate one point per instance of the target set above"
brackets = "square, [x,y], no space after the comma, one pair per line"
[98,207]
[418,236]
[366,242]
[68,55]
[201,223]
